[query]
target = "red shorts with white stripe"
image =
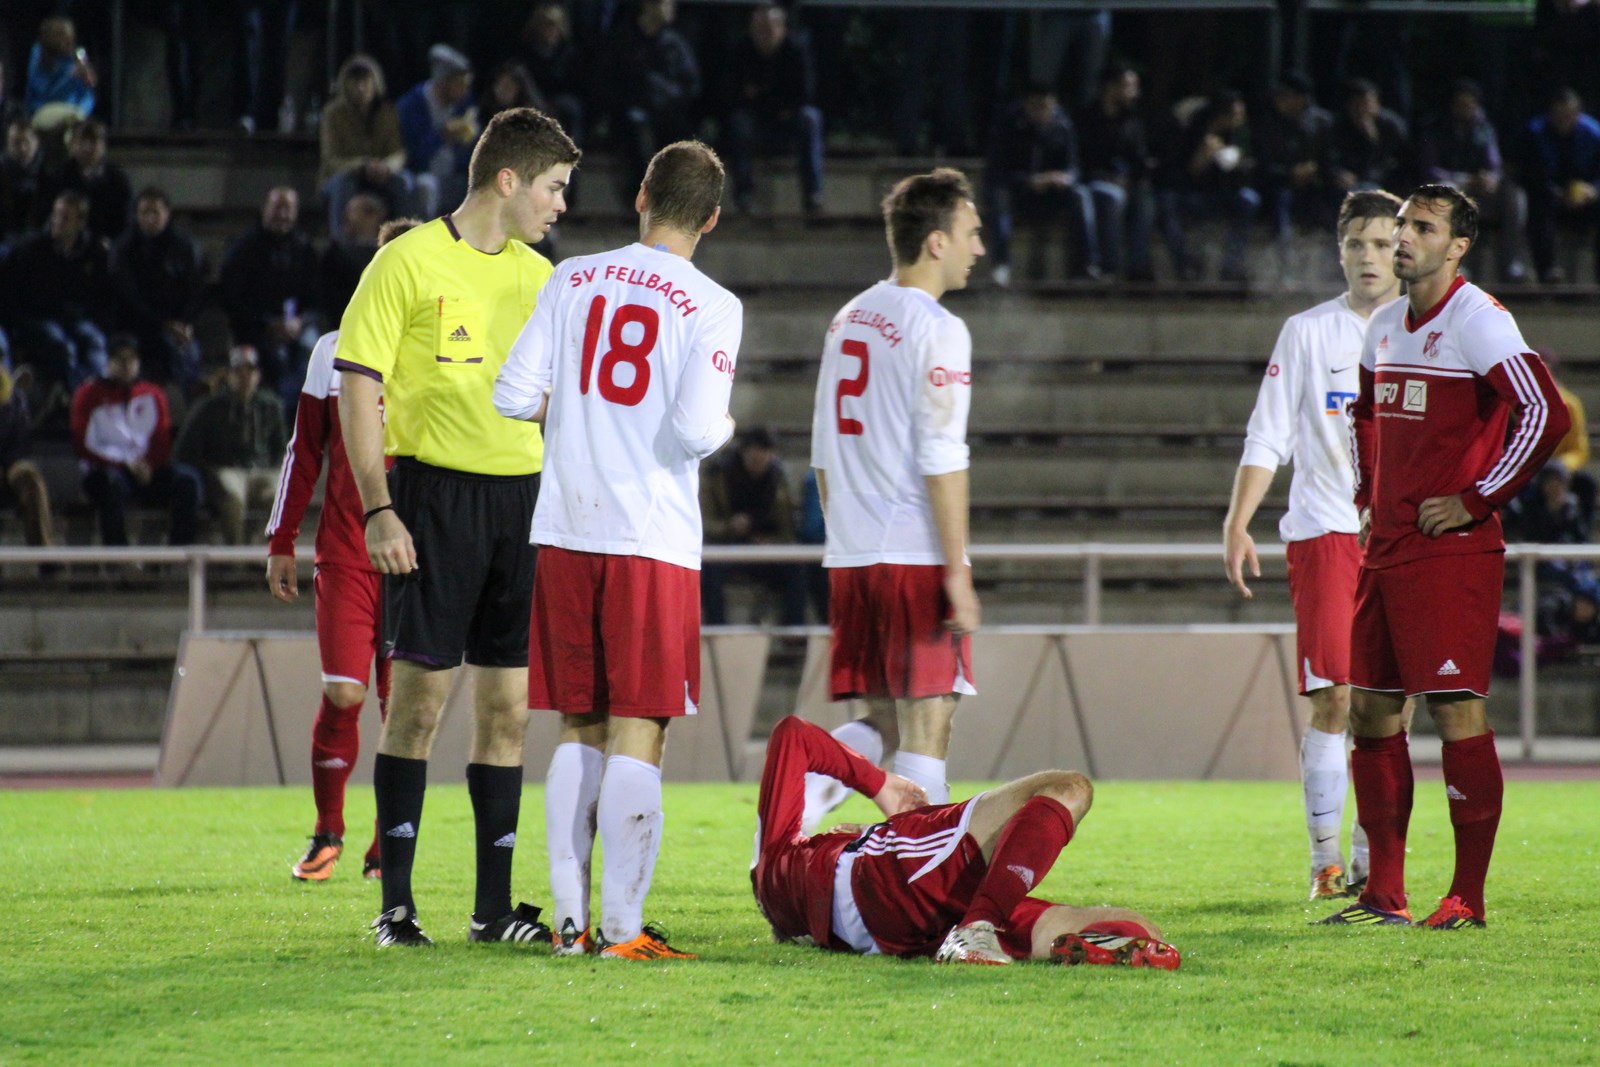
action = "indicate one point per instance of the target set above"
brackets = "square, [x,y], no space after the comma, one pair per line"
[1322,585]
[349,601]
[913,877]
[1427,626]
[889,637]
[616,634]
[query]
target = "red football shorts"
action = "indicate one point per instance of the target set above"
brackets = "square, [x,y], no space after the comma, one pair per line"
[915,875]
[889,637]
[348,615]
[1322,585]
[618,634]
[1427,626]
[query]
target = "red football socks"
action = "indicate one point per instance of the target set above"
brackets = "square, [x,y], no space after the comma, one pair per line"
[1476,791]
[335,743]
[1027,849]
[1381,770]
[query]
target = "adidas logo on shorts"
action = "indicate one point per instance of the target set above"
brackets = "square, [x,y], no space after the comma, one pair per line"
[507,841]
[405,829]
[1449,668]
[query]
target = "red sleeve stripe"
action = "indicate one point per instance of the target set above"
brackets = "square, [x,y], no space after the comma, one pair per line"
[1534,417]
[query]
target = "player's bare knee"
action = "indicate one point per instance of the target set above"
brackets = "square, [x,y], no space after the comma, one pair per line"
[344,694]
[409,732]
[1330,709]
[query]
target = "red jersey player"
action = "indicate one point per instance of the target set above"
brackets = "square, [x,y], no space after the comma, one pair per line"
[889,444]
[347,591]
[949,881]
[633,353]
[1442,373]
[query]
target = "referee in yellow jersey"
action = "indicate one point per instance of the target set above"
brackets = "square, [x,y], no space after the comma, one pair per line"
[430,324]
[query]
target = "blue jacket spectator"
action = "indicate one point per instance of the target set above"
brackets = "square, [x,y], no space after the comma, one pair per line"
[439,126]
[1561,171]
[60,80]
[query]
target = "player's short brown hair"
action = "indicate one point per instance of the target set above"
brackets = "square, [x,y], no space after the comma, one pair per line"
[683,186]
[524,140]
[1364,205]
[920,205]
[1463,209]
[395,227]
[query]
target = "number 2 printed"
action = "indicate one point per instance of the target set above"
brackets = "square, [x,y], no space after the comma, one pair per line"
[852,387]
[635,355]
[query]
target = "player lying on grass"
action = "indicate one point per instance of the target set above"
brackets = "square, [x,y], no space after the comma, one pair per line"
[949,881]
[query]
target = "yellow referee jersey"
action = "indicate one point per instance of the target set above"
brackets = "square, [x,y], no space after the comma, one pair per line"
[435,318]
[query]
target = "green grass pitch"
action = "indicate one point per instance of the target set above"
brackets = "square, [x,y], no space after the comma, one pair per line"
[162,927]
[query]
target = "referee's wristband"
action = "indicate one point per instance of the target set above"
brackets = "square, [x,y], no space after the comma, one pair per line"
[381,507]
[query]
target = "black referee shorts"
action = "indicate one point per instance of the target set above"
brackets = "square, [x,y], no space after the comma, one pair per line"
[472,591]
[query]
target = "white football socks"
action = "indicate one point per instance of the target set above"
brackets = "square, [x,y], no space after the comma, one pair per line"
[926,771]
[630,834]
[1326,781]
[571,795]
[823,793]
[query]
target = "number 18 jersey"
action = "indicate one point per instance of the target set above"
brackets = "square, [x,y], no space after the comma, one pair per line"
[891,409]
[638,349]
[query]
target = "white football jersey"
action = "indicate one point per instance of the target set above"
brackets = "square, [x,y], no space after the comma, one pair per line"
[891,409]
[1302,414]
[638,349]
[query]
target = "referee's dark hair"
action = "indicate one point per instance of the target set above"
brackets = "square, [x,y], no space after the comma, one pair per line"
[1463,209]
[920,205]
[683,186]
[1366,204]
[523,140]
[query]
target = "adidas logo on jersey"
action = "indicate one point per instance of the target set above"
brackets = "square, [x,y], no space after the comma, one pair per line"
[1023,873]
[334,764]
[460,333]
[1453,793]
[405,829]
[508,841]
[1449,667]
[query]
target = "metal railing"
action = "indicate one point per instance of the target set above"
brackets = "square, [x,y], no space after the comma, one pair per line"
[1090,556]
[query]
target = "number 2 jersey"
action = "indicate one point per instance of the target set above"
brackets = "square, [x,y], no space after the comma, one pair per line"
[891,409]
[638,348]
[1436,399]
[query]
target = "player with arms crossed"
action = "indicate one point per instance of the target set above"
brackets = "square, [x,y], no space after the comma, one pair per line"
[1302,414]
[430,324]
[949,881]
[349,630]
[889,444]
[632,352]
[1442,373]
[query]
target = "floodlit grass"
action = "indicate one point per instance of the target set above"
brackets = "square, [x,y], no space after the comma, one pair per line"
[163,927]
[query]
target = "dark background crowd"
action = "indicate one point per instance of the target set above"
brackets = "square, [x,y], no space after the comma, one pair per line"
[1105,136]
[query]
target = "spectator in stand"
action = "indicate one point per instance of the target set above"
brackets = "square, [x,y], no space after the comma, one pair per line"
[236,437]
[655,82]
[24,192]
[745,500]
[58,282]
[551,52]
[1033,181]
[271,292]
[1561,173]
[122,432]
[348,254]
[1292,145]
[1209,175]
[1369,146]
[22,486]
[439,127]
[1573,452]
[88,171]
[60,79]
[1116,160]
[1460,148]
[266,28]
[361,147]
[510,85]
[159,279]
[771,100]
